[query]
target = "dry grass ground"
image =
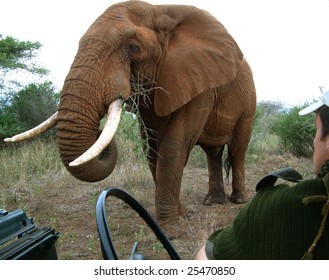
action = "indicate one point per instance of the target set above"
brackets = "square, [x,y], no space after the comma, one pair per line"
[32,178]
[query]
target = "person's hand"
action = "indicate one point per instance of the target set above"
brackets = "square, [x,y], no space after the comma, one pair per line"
[201,255]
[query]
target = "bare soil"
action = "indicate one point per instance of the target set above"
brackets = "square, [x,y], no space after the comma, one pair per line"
[68,205]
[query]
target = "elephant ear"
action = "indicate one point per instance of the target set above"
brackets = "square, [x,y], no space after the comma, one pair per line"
[200,55]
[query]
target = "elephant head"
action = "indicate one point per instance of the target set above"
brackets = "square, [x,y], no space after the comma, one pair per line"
[182,50]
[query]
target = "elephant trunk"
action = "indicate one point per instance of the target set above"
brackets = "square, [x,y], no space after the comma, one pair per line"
[78,123]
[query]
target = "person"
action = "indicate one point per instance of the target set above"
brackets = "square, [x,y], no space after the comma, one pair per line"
[283,221]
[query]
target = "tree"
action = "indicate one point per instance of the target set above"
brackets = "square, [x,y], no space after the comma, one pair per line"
[15,54]
[22,106]
[28,108]
[34,104]
[17,57]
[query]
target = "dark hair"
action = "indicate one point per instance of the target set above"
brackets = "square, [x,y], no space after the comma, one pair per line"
[324,116]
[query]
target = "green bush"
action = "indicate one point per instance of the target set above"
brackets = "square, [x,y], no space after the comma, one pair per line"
[263,139]
[296,132]
[9,124]
[27,108]
[35,103]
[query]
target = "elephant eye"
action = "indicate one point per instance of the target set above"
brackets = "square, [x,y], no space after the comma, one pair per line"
[133,48]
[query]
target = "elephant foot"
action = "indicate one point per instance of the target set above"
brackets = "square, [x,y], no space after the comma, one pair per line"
[214,197]
[173,230]
[238,198]
[182,212]
[172,225]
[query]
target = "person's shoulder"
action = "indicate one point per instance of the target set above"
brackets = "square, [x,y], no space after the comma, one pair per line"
[290,175]
[287,174]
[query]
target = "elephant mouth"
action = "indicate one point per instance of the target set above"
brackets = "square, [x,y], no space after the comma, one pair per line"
[105,138]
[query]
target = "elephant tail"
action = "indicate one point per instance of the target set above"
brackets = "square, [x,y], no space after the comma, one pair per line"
[227,168]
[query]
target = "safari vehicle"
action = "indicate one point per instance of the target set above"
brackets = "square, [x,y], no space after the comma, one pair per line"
[21,239]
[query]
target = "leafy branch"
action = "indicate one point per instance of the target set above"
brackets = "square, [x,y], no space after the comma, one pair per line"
[140,96]
[15,54]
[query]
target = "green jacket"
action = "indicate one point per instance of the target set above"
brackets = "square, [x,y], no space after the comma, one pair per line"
[280,222]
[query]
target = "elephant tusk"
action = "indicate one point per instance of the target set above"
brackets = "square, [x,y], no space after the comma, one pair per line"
[46,125]
[110,127]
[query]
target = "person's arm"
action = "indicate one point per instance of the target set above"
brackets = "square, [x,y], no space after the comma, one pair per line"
[201,255]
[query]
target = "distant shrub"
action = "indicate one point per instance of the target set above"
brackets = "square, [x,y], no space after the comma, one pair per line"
[9,124]
[27,108]
[263,140]
[296,132]
[35,103]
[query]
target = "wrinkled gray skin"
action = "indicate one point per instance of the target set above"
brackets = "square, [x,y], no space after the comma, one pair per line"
[203,95]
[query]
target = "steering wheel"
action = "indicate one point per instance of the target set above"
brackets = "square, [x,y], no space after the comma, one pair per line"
[108,249]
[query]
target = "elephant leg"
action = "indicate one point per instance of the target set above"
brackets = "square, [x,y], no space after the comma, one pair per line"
[176,138]
[216,193]
[239,194]
[169,173]
[237,154]
[167,201]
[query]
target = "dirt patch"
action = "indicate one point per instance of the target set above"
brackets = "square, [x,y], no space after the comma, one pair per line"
[68,206]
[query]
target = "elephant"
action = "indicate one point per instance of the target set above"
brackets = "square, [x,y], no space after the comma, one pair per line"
[198,90]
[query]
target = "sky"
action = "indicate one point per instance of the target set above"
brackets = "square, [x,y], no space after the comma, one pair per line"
[286,42]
